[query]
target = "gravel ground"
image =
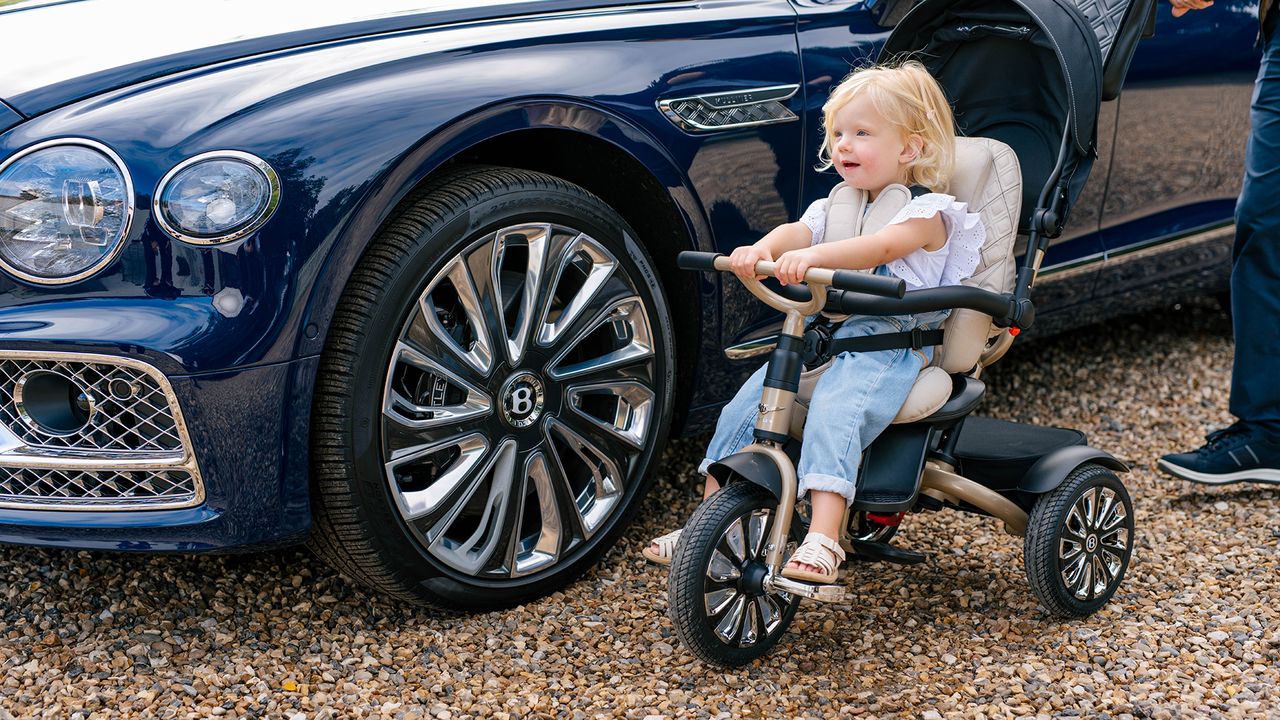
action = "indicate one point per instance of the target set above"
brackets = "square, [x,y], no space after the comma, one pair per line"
[1192,632]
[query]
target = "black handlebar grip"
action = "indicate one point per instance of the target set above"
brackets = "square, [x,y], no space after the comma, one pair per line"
[855,281]
[694,260]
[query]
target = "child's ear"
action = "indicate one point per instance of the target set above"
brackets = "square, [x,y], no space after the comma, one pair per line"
[912,149]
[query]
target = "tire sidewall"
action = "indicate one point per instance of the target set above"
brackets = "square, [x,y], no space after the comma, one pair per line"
[438,242]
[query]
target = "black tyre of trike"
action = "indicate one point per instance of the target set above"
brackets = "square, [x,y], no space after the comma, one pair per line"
[717,612]
[1079,540]
[495,387]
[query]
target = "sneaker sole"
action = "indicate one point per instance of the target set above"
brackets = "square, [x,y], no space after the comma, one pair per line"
[1262,475]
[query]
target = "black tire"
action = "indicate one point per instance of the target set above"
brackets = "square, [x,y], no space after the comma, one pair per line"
[494,390]
[1079,540]
[690,585]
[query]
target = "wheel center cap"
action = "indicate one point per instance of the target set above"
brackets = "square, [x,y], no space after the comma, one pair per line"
[1091,543]
[522,399]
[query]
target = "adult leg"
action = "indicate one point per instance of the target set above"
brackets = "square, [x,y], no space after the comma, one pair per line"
[1249,450]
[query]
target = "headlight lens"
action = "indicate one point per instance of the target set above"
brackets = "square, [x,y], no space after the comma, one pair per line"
[65,208]
[217,197]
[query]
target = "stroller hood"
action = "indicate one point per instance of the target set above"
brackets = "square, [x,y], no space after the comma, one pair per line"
[1028,73]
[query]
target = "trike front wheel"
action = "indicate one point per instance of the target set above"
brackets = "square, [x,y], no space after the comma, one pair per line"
[716,597]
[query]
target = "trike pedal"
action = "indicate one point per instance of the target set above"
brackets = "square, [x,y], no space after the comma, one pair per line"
[884,552]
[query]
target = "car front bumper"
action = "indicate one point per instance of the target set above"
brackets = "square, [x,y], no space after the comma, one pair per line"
[196,462]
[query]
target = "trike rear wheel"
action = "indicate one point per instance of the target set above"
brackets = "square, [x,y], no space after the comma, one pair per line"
[1079,540]
[716,599]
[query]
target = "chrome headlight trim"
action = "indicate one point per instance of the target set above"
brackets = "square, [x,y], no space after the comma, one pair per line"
[260,219]
[125,227]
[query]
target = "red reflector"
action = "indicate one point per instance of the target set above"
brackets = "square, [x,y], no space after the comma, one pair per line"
[1013,331]
[890,519]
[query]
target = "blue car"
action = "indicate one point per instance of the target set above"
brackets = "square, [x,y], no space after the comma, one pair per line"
[398,278]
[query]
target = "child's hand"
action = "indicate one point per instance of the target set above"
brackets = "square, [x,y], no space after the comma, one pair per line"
[793,264]
[743,260]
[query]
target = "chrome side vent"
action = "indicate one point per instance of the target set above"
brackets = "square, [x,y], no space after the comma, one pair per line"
[730,110]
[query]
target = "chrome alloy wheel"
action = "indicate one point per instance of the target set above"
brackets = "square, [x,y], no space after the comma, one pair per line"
[518,396]
[737,608]
[1093,543]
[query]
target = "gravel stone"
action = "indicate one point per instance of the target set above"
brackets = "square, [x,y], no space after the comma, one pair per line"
[1193,632]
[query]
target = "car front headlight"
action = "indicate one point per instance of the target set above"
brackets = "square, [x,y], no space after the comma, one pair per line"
[217,197]
[65,207]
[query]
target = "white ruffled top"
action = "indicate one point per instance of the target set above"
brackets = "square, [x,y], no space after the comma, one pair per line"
[948,265]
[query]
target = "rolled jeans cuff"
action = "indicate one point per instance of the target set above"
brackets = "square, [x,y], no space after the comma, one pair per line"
[702,466]
[829,483]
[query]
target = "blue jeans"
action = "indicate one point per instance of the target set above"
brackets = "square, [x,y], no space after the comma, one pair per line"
[853,402]
[1255,269]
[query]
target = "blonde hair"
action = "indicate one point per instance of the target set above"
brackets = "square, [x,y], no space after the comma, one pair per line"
[910,99]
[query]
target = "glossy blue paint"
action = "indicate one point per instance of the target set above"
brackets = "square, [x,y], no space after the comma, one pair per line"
[354,115]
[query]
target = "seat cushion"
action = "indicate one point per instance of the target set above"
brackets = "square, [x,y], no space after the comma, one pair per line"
[930,392]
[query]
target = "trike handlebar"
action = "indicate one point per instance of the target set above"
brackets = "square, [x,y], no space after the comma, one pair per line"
[850,280]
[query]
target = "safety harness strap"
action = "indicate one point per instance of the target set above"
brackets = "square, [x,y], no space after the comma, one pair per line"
[820,347]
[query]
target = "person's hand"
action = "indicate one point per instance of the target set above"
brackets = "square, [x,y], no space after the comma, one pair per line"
[793,264]
[743,261]
[1181,7]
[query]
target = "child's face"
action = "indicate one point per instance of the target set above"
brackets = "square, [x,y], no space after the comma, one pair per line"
[868,152]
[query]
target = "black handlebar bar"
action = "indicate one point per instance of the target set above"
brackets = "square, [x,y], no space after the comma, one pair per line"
[851,280]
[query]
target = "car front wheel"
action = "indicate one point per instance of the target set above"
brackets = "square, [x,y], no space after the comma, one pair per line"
[496,385]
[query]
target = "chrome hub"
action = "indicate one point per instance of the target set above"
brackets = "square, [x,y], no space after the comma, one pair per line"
[522,399]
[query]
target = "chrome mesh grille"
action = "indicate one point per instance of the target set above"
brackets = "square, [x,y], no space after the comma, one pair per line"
[84,488]
[701,115]
[143,422]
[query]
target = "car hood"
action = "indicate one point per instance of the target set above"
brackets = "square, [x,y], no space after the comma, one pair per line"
[54,53]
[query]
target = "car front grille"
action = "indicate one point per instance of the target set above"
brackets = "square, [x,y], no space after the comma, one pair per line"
[141,421]
[92,432]
[86,489]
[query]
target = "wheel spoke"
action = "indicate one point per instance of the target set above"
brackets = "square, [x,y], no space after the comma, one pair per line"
[595,501]
[1100,577]
[717,601]
[1073,573]
[586,257]
[619,335]
[1111,561]
[622,409]
[721,569]
[443,480]
[544,549]
[734,541]
[475,551]
[1075,528]
[750,626]
[1088,504]
[534,238]
[770,613]
[1117,539]
[1114,518]
[1068,549]
[438,410]
[1106,504]
[758,527]
[731,624]
[427,328]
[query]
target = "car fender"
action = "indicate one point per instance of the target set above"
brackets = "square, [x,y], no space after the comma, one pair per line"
[455,139]
[1050,470]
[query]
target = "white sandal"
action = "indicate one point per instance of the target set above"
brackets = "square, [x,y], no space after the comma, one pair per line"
[818,551]
[666,548]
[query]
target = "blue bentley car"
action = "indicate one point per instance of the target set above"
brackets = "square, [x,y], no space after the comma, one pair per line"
[398,277]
